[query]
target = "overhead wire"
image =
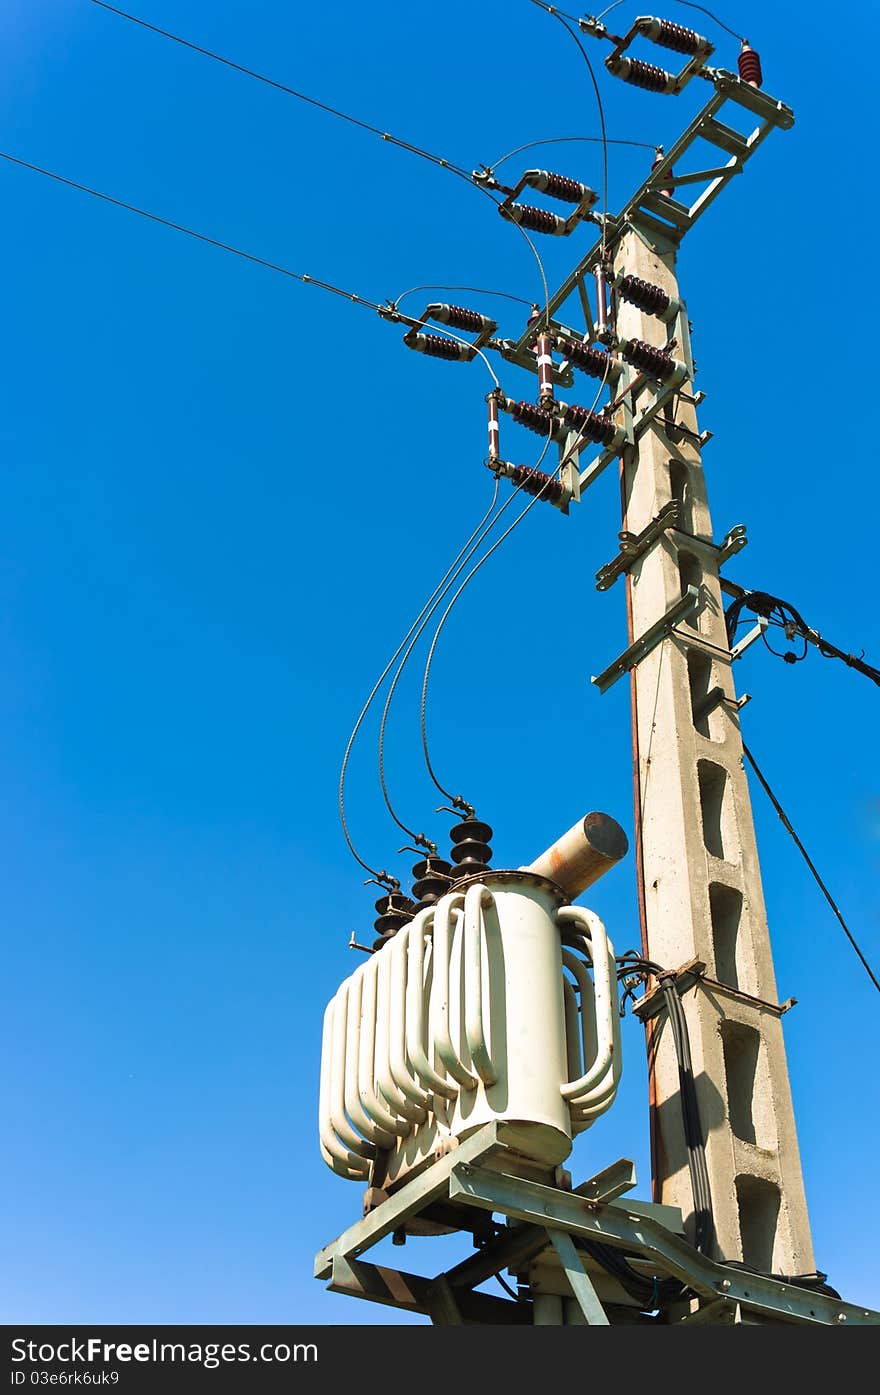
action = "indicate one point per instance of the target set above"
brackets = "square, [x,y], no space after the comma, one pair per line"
[787,825]
[426,678]
[563,140]
[288,91]
[563,20]
[368,126]
[688,5]
[473,290]
[380,680]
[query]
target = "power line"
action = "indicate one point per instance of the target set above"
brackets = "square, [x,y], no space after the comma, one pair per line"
[305,279]
[786,823]
[563,20]
[288,91]
[473,290]
[563,140]
[192,232]
[688,6]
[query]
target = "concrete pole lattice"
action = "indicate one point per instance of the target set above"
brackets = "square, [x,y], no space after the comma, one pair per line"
[698,861]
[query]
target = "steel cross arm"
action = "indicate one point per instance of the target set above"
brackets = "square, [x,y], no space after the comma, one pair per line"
[638,1234]
[601,462]
[412,1198]
[651,204]
[648,641]
[413,1293]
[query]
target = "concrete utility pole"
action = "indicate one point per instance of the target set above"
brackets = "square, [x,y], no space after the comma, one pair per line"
[700,884]
[438,1112]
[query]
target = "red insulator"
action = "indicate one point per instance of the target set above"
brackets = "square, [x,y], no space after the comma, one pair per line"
[749,65]
[459,317]
[437,346]
[648,359]
[674,36]
[640,74]
[531,481]
[535,219]
[652,299]
[590,425]
[583,356]
[558,186]
[535,418]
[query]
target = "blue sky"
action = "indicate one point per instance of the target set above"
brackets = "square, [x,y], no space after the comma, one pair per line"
[226,497]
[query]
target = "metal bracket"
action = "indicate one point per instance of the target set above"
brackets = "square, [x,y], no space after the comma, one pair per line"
[739,649]
[732,543]
[635,545]
[649,640]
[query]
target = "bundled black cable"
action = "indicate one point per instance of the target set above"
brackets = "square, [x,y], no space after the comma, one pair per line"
[784,614]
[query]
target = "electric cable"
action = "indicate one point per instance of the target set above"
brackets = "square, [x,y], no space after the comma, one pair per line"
[474,290]
[784,615]
[430,659]
[563,18]
[288,91]
[386,136]
[382,310]
[786,823]
[418,837]
[688,6]
[380,680]
[447,612]
[563,140]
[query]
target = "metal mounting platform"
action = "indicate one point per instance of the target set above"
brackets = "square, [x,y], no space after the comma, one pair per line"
[547,1219]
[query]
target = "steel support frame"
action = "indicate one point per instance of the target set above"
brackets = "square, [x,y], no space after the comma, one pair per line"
[545,1216]
[667,215]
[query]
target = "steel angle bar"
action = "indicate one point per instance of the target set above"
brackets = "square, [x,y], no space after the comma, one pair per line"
[639,1234]
[413,1293]
[755,633]
[581,1286]
[653,636]
[611,1182]
[412,1198]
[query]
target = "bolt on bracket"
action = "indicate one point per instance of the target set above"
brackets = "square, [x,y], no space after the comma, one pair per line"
[653,636]
[635,545]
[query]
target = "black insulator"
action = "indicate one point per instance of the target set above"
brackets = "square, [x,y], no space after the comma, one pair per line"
[558,186]
[535,219]
[474,852]
[584,357]
[459,317]
[652,299]
[532,481]
[749,65]
[535,418]
[438,346]
[395,911]
[471,852]
[648,359]
[640,74]
[591,425]
[432,878]
[675,36]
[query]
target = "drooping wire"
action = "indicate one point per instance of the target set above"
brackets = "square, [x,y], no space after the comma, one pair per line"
[489,526]
[783,615]
[288,91]
[786,823]
[191,232]
[428,155]
[384,674]
[447,612]
[688,6]
[474,290]
[236,251]
[563,140]
[563,20]
[487,523]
